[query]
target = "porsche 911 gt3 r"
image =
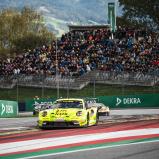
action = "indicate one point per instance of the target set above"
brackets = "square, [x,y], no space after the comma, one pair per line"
[40,106]
[103,110]
[68,112]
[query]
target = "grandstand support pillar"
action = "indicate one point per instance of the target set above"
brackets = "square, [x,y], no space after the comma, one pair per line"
[94,88]
[68,91]
[42,89]
[57,72]
[123,85]
[17,88]
[154,83]
[112,36]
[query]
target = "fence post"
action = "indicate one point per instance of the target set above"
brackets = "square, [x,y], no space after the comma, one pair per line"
[94,88]
[68,85]
[123,89]
[42,91]
[17,87]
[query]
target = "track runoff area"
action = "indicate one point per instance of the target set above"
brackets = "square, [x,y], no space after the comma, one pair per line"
[56,142]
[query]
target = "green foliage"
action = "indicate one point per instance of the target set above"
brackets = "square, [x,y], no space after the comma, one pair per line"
[143,12]
[22,30]
[123,22]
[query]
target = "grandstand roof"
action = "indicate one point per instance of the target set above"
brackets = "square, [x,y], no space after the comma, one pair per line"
[87,27]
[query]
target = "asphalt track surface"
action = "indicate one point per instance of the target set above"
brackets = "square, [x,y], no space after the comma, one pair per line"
[134,151]
[20,129]
[118,115]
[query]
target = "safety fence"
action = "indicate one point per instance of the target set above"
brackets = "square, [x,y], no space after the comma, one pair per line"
[77,83]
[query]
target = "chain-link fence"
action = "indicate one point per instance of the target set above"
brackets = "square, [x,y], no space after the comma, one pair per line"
[121,80]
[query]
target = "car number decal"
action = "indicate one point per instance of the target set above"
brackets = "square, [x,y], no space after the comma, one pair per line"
[61,112]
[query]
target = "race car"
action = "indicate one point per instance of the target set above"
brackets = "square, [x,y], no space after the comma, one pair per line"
[37,107]
[103,110]
[69,112]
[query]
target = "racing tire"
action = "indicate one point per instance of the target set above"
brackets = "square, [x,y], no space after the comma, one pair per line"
[43,127]
[34,113]
[97,119]
[87,124]
[107,113]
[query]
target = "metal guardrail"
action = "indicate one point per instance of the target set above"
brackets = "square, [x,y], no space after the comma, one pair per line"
[126,78]
[103,77]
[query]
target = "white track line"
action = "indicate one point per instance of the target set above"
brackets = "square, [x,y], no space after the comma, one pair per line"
[14,128]
[57,141]
[88,149]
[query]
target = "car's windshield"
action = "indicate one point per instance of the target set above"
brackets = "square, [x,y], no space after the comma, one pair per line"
[68,104]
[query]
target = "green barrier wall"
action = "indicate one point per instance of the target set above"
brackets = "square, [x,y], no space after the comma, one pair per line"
[131,101]
[29,103]
[8,109]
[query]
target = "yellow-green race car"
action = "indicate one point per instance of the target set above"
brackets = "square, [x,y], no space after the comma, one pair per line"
[69,112]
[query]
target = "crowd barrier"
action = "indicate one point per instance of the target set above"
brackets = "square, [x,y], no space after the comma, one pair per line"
[8,109]
[115,102]
[131,101]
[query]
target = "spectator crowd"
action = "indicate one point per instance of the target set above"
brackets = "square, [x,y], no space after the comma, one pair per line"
[79,52]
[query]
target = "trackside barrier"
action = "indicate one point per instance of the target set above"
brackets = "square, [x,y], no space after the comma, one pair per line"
[29,104]
[8,109]
[131,101]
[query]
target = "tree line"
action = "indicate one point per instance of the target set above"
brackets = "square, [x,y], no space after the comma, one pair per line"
[25,29]
[140,13]
[21,30]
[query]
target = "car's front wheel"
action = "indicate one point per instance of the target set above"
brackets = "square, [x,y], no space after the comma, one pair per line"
[97,119]
[87,122]
[107,113]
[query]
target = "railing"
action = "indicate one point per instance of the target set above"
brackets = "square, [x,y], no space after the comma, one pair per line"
[103,77]
[125,78]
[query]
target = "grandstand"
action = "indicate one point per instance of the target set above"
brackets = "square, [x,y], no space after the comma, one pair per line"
[87,54]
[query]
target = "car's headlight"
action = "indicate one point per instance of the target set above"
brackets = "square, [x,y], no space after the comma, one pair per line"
[44,113]
[79,113]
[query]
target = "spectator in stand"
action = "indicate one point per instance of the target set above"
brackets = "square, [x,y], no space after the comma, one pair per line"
[80,52]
